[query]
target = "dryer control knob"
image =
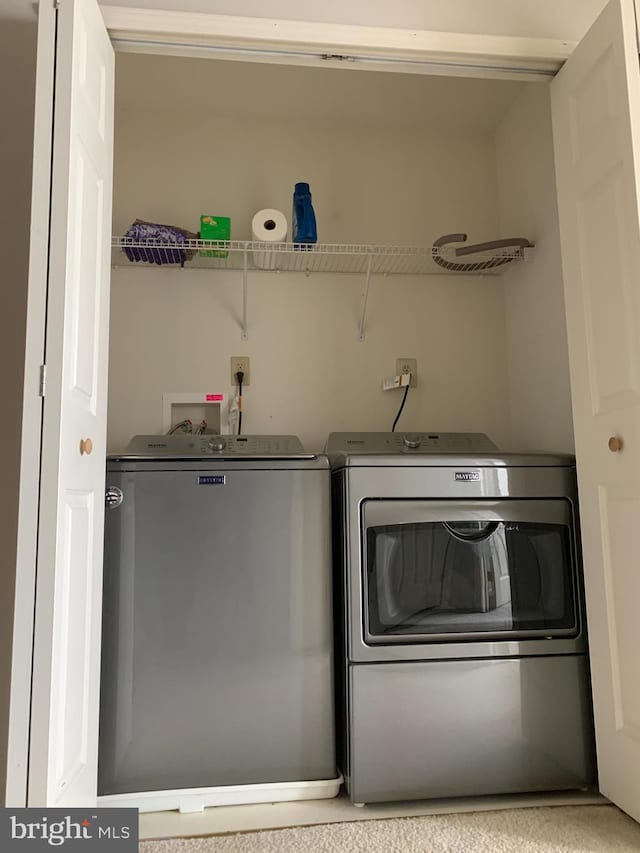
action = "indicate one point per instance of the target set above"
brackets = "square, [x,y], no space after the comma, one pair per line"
[411,441]
[217,443]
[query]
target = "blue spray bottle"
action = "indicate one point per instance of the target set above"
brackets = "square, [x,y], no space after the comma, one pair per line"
[303,218]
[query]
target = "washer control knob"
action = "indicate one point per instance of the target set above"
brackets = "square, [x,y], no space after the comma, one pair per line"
[217,443]
[412,441]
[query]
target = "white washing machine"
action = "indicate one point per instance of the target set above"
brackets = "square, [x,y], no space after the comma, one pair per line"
[462,640]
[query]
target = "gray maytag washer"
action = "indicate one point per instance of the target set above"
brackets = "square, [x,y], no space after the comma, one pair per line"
[217,663]
[462,641]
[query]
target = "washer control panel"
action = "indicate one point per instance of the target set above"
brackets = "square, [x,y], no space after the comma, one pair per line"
[214,445]
[409,442]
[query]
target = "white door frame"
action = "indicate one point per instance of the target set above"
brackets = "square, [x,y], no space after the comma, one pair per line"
[229,37]
[334,45]
[29,495]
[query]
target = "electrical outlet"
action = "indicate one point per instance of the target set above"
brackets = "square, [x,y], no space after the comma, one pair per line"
[240,362]
[408,365]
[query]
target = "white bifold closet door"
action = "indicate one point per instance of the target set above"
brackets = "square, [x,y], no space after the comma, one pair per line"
[66,664]
[596,124]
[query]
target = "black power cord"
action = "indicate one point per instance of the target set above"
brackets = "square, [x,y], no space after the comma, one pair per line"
[240,377]
[404,400]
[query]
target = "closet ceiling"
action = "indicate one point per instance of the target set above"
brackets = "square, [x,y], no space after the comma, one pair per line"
[177,86]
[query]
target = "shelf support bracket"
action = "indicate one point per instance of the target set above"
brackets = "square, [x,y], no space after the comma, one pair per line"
[365,298]
[245,291]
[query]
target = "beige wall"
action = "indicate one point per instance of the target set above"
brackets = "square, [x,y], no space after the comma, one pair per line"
[174,331]
[309,374]
[539,388]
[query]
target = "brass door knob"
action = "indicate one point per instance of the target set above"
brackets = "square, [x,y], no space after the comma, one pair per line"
[615,443]
[86,446]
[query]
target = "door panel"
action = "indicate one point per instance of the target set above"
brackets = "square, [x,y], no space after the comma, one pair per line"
[611,319]
[620,510]
[457,728]
[86,266]
[596,123]
[75,591]
[65,691]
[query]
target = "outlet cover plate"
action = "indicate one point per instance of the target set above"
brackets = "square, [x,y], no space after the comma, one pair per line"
[240,362]
[408,365]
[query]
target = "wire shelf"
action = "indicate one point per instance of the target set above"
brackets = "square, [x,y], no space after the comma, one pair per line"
[318,257]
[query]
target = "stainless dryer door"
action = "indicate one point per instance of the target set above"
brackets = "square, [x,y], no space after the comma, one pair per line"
[468,571]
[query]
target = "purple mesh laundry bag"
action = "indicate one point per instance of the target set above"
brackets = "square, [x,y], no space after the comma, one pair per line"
[172,238]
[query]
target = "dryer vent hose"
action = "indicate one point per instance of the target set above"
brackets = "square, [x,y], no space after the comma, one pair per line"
[478,265]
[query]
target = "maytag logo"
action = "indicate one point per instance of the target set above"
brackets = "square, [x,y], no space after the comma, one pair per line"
[42,829]
[212,479]
[466,476]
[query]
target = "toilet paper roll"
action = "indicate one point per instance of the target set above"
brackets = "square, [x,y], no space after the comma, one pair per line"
[268,226]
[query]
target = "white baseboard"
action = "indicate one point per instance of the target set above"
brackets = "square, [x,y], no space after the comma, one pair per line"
[196,799]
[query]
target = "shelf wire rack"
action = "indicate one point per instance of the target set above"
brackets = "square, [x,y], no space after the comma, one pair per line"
[355,258]
[306,258]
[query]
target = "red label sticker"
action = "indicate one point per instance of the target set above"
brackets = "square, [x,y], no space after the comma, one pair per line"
[214,398]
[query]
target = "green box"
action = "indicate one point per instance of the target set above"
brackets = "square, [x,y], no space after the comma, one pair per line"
[214,228]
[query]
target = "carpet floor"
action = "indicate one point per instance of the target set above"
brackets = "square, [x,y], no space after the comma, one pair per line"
[560,829]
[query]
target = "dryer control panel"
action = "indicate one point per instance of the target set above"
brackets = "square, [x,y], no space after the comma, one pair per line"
[409,442]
